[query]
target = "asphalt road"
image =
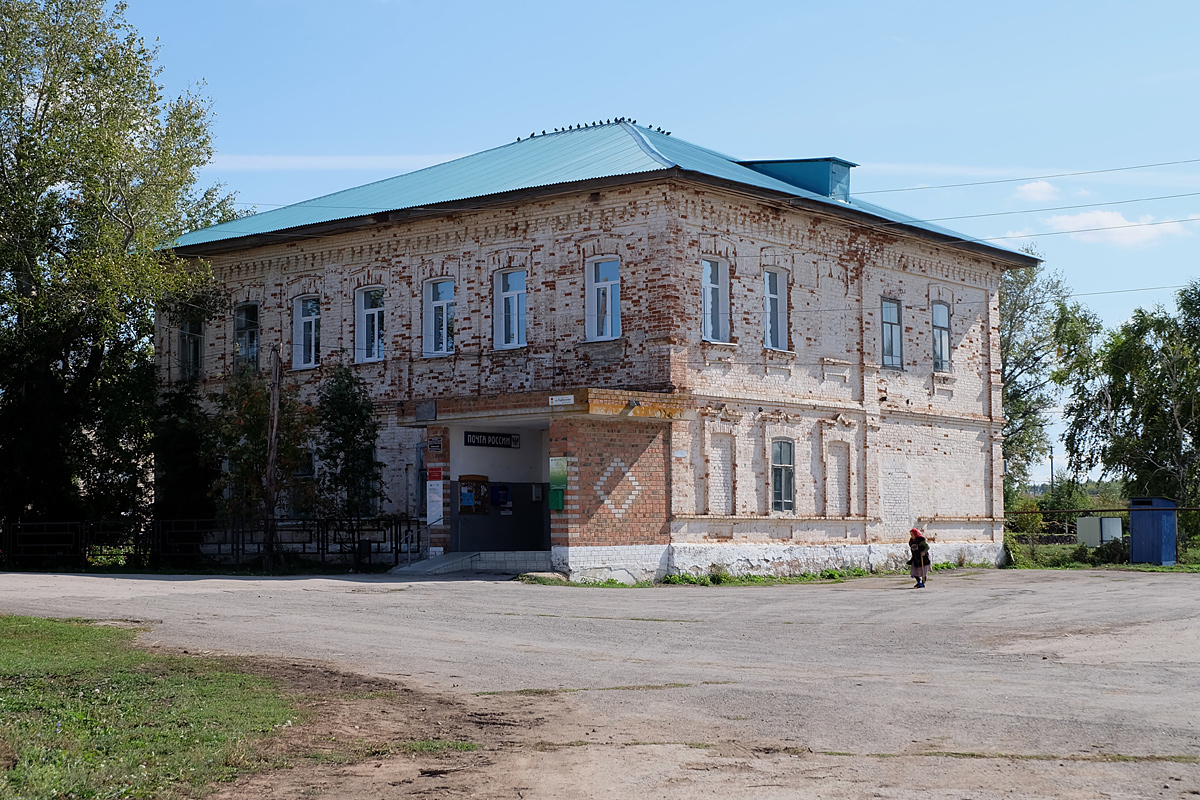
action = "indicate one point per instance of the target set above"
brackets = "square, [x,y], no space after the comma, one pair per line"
[1037,664]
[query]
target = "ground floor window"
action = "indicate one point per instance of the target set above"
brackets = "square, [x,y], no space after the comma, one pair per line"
[783,475]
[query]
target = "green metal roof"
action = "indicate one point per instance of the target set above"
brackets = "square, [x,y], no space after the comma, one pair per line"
[564,157]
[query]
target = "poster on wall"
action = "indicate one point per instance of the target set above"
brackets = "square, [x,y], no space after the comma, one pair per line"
[433,502]
[558,483]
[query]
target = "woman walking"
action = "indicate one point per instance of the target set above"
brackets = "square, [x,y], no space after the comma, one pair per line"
[918,565]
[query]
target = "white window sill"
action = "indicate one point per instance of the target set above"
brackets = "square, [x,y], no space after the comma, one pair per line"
[604,341]
[509,348]
[371,361]
[437,355]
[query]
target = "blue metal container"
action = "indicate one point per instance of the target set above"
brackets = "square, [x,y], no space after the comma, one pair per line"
[1151,530]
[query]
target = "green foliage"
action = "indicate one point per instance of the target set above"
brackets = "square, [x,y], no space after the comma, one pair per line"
[351,477]
[239,439]
[97,173]
[85,714]
[1034,305]
[1134,405]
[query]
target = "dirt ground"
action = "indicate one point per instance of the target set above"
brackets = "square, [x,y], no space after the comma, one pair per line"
[986,685]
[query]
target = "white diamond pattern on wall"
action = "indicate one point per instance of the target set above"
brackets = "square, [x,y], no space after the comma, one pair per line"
[618,502]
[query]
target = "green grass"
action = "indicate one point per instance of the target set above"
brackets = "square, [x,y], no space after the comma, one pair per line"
[1074,556]
[84,713]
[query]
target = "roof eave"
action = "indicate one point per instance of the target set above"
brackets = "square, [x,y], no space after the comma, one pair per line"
[834,208]
[334,227]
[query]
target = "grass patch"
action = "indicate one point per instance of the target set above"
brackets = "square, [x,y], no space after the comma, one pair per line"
[1109,556]
[84,713]
[719,577]
[434,746]
[610,583]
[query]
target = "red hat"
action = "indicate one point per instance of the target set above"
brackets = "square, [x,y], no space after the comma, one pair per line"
[917,531]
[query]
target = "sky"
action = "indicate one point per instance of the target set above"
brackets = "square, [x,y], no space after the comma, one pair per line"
[1018,98]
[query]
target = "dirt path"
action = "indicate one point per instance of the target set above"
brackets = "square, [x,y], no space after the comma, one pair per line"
[989,684]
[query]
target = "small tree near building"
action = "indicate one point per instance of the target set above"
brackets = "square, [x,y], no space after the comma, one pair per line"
[241,428]
[351,478]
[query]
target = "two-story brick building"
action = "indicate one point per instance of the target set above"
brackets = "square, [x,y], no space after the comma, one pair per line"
[639,355]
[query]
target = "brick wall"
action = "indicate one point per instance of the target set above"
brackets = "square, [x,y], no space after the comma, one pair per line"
[617,484]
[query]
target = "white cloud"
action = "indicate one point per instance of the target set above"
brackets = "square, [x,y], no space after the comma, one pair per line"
[1024,233]
[1082,193]
[1037,192]
[1111,227]
[246,163]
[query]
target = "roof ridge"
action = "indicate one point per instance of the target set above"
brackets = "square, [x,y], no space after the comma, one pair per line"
[644,143]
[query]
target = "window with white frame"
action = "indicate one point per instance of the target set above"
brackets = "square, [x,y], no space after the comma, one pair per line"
[369,341]
[941,337]
[775,333]
[191,349]
[603,306]
[306,333]
[245,337]
[439,317]
[714,299]
[783,475]
[510,309]
[892,332]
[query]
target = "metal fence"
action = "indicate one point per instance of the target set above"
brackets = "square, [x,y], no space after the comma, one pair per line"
[193,543]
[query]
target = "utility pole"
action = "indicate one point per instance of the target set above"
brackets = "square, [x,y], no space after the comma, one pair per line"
[269,495]
[1052,470]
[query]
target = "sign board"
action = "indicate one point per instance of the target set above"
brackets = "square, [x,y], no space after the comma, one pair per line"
[433,502]
[434,445]
[558,483]
[435,473]
[480,439]
[562,399]
[426,411]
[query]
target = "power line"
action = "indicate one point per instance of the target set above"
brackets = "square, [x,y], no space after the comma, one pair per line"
[1034,177]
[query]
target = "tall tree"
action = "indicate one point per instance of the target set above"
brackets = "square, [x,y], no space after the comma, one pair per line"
[1034,303]
[97,174]
[351,477]
[1134,404]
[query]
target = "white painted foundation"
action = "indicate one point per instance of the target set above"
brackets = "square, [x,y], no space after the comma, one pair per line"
[631,564]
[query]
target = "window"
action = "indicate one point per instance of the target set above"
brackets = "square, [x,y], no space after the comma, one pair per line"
[603,299]
[191,349]
[369,331]
[439,318]
[775,334]
[783,475]
[941,337]
[714,300]
[306,333]
[245,337]
[510,309]
[893,350]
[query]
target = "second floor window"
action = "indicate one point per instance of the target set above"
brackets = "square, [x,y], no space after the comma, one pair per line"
[783,475]
[714,300]
[306,333]
[603,299]
[370,344]
[893,347]
[439,318]
[245,337]
[510,309]
[191,350]
[941,337]
[775,334]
